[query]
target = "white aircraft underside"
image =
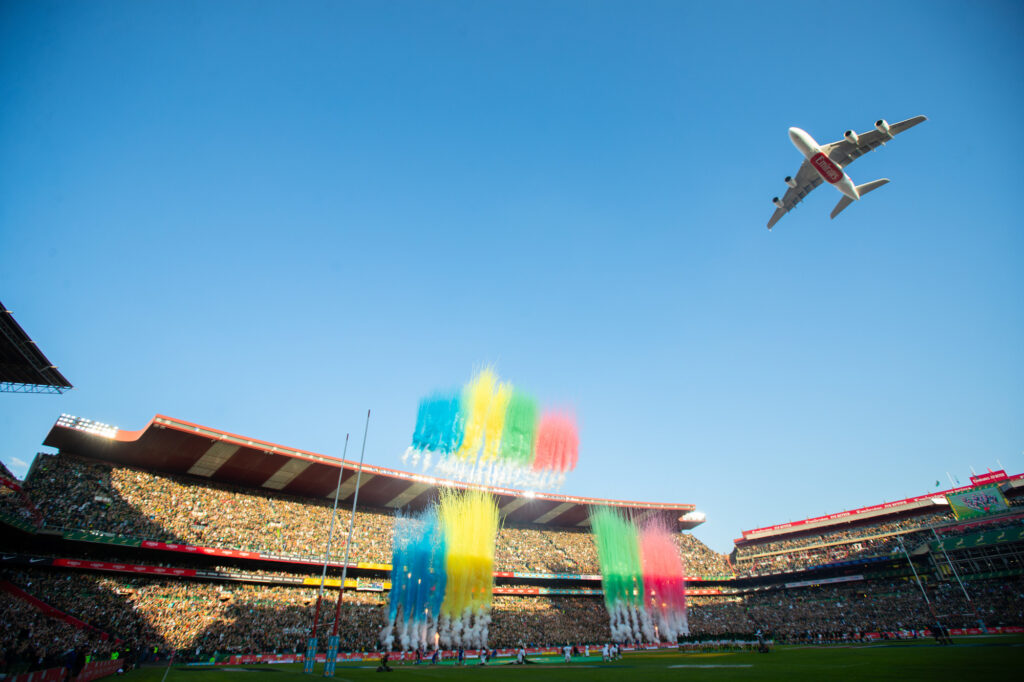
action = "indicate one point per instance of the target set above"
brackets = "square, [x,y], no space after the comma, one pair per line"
[826,163]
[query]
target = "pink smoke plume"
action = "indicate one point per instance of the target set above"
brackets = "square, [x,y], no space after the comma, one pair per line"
[558,443]
[663,574]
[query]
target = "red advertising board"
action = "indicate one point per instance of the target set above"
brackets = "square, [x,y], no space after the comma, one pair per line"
[516,590]
[990,477]
[124,568]
[192,549]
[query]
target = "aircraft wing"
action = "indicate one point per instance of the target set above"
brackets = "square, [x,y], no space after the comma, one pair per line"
[844,152]
[806,179]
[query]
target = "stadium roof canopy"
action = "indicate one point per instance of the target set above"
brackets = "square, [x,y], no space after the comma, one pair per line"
[23,367]
[177,447]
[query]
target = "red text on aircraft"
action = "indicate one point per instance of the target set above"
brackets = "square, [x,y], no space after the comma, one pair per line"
[827,168]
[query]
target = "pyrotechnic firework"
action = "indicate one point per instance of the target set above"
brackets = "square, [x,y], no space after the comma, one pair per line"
[642,577]
[492,433]
[442,573]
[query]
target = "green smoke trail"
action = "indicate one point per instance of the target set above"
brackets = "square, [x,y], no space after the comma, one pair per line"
[520,430]
[618,551]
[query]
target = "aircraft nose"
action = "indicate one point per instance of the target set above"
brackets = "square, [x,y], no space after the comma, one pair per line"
[794,133]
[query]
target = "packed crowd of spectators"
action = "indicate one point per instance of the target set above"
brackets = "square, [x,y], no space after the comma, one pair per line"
[1012,519]
[14,508]
[840,612]
[76,493]
[542,549]
[842,535]
[81,494]
[201,619]
[857,542]
[538,621]
[32,641]
[841,544]
[14,504]
[701,560]
[718,615]
[205,618]
[826,554]
[833,611]
[87,598]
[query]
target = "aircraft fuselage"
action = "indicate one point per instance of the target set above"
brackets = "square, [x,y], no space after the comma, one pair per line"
[826,167]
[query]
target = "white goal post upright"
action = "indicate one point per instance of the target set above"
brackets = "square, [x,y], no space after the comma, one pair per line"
[332,651]
[311,647]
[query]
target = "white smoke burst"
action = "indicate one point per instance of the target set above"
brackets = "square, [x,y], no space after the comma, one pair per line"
[632,624]
[473,470]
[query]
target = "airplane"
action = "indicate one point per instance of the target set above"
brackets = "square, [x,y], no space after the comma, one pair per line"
[826,162]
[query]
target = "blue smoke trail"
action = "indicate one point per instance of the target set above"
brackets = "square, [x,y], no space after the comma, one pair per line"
[439,423]
[418,579]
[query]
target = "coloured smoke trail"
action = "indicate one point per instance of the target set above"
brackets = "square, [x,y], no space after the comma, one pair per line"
[470,522]
[664,579]
[642,577]
[442,574]
[418,578]
[491,432]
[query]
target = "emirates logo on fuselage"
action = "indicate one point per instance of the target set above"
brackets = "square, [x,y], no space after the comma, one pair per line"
[826,168]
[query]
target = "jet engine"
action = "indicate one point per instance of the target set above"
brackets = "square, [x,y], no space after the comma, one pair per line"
[790,181]
[851,137]
[778,202]
[882,126]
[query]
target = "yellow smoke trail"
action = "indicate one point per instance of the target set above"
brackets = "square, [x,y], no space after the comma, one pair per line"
[478,403]
[494,424]
[470,521]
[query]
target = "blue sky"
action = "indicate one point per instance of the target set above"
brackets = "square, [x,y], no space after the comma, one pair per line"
[269,217]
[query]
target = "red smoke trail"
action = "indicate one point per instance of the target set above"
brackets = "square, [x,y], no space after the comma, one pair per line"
[558,444]
[663,573]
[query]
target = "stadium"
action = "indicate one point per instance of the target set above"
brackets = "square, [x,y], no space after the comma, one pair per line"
[185,544]
[620,430]
[186,541]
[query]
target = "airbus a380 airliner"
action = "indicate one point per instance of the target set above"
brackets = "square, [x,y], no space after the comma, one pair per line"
[826,162]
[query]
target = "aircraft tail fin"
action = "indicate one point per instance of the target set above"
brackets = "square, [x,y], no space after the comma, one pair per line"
[861,191]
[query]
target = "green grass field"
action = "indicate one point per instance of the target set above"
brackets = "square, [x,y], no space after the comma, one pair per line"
[969,659]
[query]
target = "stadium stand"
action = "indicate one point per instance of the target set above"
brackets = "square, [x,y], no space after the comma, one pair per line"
[74,493]
[861,535]
[223,561]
